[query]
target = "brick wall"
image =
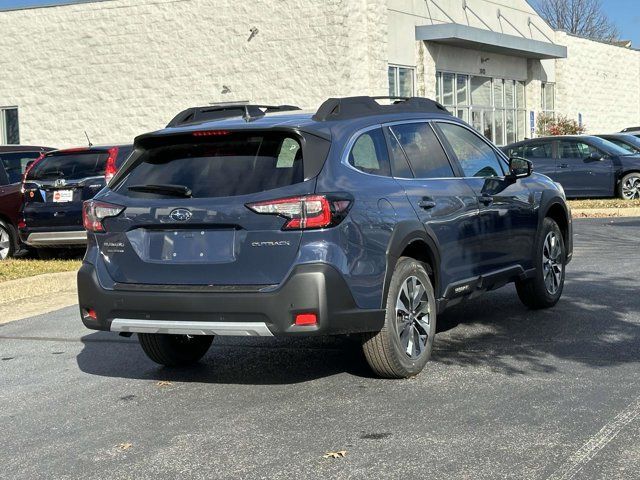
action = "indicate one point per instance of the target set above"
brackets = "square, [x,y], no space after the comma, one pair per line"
[123,67]
[600,81]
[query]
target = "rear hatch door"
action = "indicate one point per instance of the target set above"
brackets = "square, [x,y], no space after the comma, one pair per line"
[56,186]
[206,236]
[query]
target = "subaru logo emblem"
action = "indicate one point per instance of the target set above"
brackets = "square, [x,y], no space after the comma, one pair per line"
[61,182]
[180,215]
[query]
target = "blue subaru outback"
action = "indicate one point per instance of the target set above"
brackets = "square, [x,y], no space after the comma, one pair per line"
[361,218]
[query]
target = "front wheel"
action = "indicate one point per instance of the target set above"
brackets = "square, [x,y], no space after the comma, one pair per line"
[403,346]
[8,240]
[174,350]
[630,186]
[545,288]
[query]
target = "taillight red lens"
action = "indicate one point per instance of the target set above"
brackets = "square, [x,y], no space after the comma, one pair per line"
[22,224]
[94,212]
[30,167]
[305,212]
[110,168]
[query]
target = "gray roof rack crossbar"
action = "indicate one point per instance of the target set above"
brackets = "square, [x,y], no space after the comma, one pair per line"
[222,111]
[353,107]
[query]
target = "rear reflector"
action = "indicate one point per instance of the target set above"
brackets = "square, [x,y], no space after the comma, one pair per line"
[306,319]
[89,313]
[306,212]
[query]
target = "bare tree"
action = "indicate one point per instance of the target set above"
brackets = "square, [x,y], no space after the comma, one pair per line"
[579,17]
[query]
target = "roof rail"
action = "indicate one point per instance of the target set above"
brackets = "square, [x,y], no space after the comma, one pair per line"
[353,107]
[226,110]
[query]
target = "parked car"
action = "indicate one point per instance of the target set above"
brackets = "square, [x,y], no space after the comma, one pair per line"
[585,165]
[14,160]
[54,188]
[629,142]
[362,219]
[632,131]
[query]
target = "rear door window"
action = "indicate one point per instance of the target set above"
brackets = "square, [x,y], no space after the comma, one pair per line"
[369,153]
[237,163]
[16,163]
[75,166]
[422,148]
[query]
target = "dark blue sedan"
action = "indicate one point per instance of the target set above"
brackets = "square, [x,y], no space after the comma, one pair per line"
[585,165]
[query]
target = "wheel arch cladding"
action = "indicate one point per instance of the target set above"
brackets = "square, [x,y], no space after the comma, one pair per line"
[409,239]
[558,214]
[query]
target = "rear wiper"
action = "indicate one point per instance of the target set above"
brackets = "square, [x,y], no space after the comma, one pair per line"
[174,190]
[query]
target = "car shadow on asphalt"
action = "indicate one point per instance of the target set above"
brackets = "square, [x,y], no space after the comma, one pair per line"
[595,324]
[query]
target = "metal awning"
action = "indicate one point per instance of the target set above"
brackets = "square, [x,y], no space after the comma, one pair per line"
[488,41]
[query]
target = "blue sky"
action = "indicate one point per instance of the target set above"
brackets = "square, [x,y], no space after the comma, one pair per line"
[625,13]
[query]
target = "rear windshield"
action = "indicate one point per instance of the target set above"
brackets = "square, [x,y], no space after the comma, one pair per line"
[70,166]
[229,165]
[16,163]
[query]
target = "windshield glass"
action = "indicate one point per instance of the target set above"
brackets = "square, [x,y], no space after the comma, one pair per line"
[608,147]
[232,164]
[70,167]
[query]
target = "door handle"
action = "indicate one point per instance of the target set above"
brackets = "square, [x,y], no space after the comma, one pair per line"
[485,199]
[564,165]
[427,203]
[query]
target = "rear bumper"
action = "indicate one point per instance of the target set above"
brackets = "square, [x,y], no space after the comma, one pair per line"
[54,238]
[310,288]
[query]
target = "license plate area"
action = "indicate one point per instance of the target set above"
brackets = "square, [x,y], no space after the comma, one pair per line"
[190,246]
[62,196]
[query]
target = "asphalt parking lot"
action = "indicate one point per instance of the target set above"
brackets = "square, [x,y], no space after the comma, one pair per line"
[510,393]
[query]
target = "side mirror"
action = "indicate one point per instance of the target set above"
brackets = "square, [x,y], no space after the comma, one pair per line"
[520,167]
[595,156]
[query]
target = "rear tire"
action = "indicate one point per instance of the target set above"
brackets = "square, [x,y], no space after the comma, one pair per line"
[174,350]
[545,288]
[8,240]
[403,346]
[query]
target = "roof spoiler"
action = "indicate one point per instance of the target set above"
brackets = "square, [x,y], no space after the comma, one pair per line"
[226,110]
[353,107]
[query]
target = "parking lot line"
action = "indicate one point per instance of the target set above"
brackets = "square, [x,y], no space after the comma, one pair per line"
[596,443]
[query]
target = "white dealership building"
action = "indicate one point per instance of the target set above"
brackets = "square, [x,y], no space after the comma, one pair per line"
[118,68]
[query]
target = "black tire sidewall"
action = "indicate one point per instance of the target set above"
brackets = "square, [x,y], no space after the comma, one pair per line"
[405,268]
[549,225]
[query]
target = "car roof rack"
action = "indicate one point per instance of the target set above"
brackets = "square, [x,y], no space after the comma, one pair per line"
[226,110]
[629,129]
[354,107]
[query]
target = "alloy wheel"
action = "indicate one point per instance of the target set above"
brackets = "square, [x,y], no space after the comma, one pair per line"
[5,243]
[413,317]
[552,262]
[631,188]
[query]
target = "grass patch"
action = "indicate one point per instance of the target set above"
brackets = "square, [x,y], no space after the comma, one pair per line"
[604,203]
[13,268]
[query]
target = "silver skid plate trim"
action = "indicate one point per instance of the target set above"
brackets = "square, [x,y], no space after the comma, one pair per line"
[238,329]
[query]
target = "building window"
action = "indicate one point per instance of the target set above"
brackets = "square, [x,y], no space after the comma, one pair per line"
[401,81]
[548,98]
[494,106]
[9,129]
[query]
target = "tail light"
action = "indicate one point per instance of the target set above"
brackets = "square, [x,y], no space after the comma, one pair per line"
[22,224]
[110,168]
[306,212]
[30,167]
[94,212]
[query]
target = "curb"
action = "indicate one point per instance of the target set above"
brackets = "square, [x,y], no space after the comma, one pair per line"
[45,293]
[605,212]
